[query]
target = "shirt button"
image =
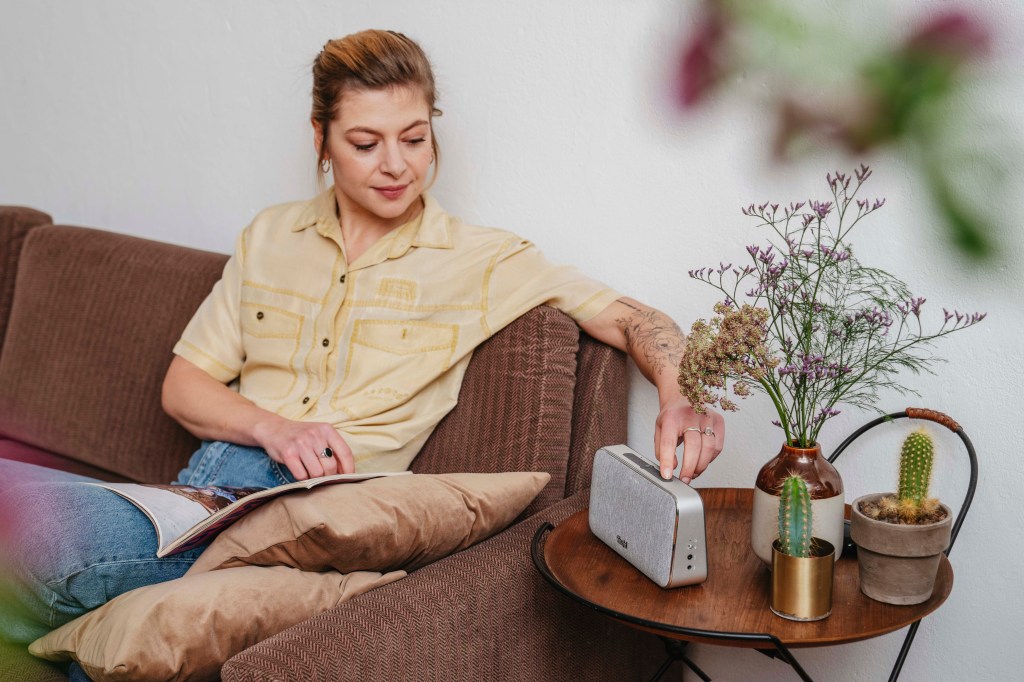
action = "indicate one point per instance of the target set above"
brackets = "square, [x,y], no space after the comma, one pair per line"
[305,400]
[325,343]
[342,279]
[259,315]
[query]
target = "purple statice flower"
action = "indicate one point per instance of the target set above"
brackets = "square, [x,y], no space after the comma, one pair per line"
[821,208]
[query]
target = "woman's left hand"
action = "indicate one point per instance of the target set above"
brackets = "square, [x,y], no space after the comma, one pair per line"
[702,436]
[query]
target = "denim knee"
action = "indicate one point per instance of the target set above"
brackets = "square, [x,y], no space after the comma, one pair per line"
[69,547]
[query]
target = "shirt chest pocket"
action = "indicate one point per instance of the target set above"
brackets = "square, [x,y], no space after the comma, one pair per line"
[270,337]
[389,361]
[261,321]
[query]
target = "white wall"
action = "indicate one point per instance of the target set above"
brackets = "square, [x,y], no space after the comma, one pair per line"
[178,121]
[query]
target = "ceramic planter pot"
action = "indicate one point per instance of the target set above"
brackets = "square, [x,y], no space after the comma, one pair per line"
[827,499]
[802,586]
[898,563]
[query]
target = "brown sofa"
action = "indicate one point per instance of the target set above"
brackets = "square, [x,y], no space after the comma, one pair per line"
[87,320]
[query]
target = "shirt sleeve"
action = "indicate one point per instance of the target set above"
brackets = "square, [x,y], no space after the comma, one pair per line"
[212,340]
[523,278]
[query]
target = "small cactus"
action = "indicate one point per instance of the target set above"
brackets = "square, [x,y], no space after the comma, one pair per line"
[916,467]
[795,522]
[911,504]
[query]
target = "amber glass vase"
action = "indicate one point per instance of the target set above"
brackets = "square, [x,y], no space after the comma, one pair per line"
[824,485]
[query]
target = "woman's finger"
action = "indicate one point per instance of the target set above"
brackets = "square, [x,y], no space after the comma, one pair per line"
[344,462]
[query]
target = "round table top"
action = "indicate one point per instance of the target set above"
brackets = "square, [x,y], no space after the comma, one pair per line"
[732,604]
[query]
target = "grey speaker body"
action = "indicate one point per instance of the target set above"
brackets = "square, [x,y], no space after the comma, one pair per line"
[654,524]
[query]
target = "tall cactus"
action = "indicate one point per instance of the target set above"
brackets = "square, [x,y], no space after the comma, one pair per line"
[795,521]
[916,467]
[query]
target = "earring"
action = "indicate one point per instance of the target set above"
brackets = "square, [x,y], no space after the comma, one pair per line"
[325,165]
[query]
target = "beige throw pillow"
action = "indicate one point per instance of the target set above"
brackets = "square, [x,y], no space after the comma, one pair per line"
[186,629]
[383,524]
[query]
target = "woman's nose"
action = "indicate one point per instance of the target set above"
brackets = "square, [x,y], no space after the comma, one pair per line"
[393,163]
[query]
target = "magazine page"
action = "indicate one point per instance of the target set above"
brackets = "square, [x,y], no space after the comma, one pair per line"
[185,516]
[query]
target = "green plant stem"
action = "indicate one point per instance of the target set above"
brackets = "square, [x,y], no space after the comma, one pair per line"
[783,417]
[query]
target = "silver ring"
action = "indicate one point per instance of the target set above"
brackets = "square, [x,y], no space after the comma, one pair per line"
[327,453]
[706,431]
[692,428]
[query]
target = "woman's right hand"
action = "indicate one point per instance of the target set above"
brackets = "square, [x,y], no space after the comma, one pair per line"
[212,411]
[298,446]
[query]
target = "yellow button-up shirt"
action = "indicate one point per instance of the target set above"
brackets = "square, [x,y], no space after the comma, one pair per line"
[378,347]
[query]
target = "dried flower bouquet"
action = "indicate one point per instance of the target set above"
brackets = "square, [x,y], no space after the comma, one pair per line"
[817,328]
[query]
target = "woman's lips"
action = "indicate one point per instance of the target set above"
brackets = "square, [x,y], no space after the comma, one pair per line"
[391,192]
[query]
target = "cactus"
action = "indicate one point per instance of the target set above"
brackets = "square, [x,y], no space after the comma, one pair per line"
[916,467]
[911,504]
[795,522]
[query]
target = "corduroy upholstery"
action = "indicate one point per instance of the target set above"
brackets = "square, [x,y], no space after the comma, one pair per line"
[15,223]
[92,320]
[483,614]
[17,665]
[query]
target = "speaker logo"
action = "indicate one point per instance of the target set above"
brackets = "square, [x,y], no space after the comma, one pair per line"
[618,539]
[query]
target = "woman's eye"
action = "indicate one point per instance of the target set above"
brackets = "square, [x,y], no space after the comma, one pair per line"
[417,140]
[365,147]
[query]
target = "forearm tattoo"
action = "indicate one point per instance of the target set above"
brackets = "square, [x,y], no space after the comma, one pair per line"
[653,336]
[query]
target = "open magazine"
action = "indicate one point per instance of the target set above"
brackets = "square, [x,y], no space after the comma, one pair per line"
[185,517]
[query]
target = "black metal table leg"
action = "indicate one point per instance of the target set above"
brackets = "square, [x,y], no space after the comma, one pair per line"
[789,658]
[677,652]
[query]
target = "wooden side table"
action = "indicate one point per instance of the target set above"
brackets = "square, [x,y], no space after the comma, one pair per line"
[731,607]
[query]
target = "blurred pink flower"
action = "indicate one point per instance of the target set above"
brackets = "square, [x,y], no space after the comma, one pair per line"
[704,59]
[954,34]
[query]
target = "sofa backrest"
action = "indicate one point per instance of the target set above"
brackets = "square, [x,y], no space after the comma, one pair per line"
[92,323]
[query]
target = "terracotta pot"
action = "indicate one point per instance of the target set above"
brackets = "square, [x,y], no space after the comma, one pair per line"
[898,563]
[802,586]
[827,501]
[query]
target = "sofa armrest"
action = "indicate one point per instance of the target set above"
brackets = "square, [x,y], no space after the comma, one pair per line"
[482,614]
[15,223]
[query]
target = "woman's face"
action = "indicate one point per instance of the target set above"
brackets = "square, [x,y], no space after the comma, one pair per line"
[379,145]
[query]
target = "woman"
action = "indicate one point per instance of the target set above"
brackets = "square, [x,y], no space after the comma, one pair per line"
[347,323]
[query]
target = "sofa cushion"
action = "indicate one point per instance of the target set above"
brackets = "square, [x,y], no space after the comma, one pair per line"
[515,405]
[383,524]
[23,452]
[89,341]
[185,629]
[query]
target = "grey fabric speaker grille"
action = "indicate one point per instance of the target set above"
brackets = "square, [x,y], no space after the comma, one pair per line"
[625,508]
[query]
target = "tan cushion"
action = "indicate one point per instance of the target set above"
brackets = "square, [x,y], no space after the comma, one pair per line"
[185,629]
[382,524]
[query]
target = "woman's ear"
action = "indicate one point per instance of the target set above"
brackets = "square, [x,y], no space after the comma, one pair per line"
[318,136]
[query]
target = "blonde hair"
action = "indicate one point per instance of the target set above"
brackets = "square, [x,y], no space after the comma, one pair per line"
[369,60]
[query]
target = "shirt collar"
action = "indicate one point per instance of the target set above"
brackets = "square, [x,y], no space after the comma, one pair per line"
[430,229]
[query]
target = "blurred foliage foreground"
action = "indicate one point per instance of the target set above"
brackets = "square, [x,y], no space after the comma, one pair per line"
[841,83]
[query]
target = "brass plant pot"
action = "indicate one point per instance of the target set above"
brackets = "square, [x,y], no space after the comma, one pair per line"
[802,586]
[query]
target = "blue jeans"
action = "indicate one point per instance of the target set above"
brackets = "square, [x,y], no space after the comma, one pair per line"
[66,548]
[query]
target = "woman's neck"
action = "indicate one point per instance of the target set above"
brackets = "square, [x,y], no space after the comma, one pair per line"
[361,229]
